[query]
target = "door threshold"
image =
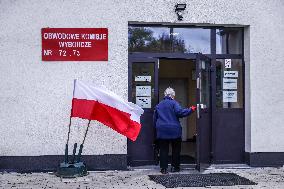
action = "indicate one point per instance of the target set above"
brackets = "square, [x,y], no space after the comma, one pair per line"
[157,167]
[228,166]
[188,166]
[145,167]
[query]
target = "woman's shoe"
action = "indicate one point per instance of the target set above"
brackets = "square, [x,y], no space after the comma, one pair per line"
[164,171]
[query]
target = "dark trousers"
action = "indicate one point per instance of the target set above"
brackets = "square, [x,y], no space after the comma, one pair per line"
[164,151]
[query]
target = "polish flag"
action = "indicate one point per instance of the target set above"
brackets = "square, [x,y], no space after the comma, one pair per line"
[94,103]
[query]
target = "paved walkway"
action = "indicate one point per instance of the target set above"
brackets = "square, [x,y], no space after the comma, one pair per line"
[269,178]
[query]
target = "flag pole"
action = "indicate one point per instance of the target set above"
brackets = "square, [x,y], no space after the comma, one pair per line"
[66,146]
[81,146]
[69,128]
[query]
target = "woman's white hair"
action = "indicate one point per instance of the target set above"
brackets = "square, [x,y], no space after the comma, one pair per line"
[170,92]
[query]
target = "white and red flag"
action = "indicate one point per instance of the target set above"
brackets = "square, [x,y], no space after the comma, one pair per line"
[95,103]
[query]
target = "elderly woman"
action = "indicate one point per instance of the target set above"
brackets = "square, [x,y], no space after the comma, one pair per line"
[168,128]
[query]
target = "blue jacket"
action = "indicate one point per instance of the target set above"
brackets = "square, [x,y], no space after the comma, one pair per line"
[166,118]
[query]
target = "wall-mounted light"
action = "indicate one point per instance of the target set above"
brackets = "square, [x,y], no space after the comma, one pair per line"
[179,8]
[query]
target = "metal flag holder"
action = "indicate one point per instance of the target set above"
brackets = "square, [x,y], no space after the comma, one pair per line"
[75,167]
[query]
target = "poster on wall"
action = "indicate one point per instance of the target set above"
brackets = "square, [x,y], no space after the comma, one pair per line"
[230,96]
[74,44]
[143,102]
[230,83]
[143,90]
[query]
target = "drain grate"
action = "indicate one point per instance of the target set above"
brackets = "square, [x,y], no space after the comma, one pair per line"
[200,180]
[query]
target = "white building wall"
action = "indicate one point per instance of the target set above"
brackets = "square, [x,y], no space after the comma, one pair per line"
[35,97]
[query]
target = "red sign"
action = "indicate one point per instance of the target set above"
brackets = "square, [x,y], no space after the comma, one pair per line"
[74,44]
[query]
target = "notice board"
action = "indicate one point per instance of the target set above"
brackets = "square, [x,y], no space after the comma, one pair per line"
[74,44]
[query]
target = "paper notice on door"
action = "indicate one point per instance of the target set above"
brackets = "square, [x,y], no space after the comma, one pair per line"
[143,90]
[230,83]
[143,78]
[230,96]
[228,63]
[143,102]
[231,74]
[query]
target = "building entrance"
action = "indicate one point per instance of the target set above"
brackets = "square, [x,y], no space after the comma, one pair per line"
[180,75]
[150,75]
[150,46]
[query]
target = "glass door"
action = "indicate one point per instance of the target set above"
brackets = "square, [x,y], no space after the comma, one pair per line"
[143,91]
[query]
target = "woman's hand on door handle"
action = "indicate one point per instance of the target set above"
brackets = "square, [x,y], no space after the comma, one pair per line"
[193,108]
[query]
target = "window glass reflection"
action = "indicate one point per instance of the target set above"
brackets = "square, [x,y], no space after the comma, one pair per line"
[149,39]
[229,41]
[191,40]
[165,39]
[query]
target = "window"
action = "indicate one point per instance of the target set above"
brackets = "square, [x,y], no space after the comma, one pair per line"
[191,40]
[229,41]
[168,39]
[149,39]
[229,83]
[143,84]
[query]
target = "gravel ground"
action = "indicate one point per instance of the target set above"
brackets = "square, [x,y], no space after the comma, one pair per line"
[270,178]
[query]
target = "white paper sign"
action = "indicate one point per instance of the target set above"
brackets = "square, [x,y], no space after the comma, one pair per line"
[231,74]
[230,83]
[143,102]
[143,90]
[143,78]
[228,63]
[230,96]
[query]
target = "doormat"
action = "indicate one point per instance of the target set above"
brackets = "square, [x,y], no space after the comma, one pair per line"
[200,180]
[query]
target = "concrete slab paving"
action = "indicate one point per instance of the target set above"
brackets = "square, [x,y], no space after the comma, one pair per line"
[270,178]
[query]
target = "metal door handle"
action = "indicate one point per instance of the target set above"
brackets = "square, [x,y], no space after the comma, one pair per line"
[202,106]
[198,83]
[198,111]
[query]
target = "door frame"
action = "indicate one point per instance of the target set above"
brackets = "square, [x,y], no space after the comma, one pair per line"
[148,56]
[218,156]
